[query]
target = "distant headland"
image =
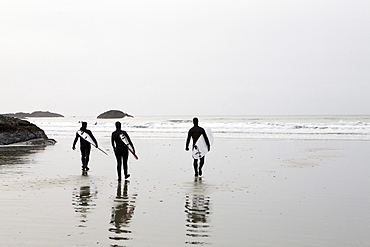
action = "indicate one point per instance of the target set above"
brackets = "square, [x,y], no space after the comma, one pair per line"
[33,114]
[114,114]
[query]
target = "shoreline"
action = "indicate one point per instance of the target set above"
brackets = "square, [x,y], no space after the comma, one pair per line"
[223,127]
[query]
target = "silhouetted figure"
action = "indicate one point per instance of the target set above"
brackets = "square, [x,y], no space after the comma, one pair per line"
[195,132]
[121,150]
[85,146]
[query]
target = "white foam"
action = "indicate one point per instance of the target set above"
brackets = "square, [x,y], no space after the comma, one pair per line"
[240,127]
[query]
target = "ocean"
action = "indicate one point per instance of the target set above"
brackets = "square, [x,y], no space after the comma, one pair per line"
[344,127]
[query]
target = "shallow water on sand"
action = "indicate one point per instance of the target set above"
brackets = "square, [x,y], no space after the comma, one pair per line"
[253,193]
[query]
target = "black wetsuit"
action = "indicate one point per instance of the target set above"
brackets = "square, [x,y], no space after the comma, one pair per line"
[121,151]
[85,148]
[194,133]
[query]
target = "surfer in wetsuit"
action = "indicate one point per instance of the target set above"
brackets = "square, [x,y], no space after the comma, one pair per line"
[85,146]
[121,150]
[195,132]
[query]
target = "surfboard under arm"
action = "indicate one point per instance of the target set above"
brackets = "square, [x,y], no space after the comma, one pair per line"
[201,148]
[125,141]
[88,138]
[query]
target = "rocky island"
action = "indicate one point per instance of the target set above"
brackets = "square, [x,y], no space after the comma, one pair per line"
[21,132]
[114,114]
[33,114]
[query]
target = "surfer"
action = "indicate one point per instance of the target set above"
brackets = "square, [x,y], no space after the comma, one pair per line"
[195,132]
[121,150]
[85,146]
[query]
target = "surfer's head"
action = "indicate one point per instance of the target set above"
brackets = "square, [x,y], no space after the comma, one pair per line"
[84,125]
[195,121]
[118,125]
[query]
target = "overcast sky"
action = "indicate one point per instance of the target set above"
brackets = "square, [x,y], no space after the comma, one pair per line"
[185,57]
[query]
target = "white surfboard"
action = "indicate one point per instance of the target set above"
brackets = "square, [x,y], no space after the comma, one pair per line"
[125,141]
[88,138]
[200,148]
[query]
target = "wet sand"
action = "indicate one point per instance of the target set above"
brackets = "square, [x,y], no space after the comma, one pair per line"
[253,193]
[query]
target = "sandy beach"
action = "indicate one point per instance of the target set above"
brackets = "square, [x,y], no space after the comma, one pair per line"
[253,193]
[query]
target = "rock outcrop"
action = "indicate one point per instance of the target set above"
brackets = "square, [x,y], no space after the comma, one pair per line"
[114,114]
[33,114]
[22,132]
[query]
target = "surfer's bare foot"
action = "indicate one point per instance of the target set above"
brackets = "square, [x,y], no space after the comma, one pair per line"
[127,176]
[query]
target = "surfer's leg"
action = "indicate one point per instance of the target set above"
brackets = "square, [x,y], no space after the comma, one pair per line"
[195,164]
[87,157]
[83,158]
[125,166]
[201,163]
[119,164]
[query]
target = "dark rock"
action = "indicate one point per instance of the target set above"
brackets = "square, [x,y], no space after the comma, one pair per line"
[114,114]
[33,114]
[14,130]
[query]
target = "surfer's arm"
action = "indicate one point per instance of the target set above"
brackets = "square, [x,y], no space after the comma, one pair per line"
[187,141]
[112,141]
[74,142]
[207,141]
[93,138]
[129,141]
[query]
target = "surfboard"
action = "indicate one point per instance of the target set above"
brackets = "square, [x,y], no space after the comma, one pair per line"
[88,138]
[125,141]
[200,148]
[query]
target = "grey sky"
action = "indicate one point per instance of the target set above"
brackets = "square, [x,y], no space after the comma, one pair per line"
[193,57]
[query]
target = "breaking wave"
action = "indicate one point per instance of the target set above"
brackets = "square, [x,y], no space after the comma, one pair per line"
[232,127]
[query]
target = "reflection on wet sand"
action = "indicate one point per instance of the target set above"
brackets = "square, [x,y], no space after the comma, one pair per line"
[197,209]
[122,213]
[83,202]
[10,155]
